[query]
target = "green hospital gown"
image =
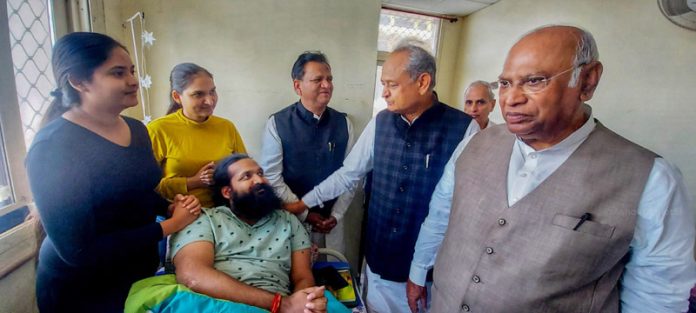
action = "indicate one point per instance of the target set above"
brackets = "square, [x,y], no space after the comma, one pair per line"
[258,255]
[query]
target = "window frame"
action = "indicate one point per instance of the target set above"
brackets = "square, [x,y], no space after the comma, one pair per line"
[11,122]
[19,243]
[382,57]
[10,116]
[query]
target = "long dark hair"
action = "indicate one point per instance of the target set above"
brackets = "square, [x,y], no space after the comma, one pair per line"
[75,57]
[181,77]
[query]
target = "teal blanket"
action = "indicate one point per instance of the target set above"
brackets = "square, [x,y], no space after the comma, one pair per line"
[161,294]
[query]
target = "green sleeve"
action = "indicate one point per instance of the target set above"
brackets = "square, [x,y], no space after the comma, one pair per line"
[300,239]
[199,230]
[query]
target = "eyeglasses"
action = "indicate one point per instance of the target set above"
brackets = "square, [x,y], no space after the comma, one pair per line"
[532,84]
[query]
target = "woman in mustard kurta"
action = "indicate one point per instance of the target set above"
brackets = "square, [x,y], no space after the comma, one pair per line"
[189,139]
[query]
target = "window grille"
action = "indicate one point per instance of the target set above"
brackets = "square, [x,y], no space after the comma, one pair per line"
[31,45]
[395,26]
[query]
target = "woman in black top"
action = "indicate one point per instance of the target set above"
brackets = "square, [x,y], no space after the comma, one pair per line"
[93,176]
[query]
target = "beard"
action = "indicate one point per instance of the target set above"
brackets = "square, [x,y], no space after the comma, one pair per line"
[258,203]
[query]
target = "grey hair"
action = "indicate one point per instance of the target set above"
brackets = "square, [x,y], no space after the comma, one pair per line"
[419,59]
[488,86]
[585,52]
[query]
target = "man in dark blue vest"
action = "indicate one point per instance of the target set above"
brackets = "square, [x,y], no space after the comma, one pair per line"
[406,146]
[304,143]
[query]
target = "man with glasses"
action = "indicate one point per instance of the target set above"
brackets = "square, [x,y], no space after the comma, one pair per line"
[306,142]
[553,212]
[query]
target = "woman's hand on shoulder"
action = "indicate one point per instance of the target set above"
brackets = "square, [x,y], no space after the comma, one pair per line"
[184,210]
[190,202]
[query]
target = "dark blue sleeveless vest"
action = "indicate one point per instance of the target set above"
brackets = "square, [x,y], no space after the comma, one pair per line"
[312,149]
[408,163]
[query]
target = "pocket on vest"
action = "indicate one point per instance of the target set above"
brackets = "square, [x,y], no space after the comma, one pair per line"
[587,227]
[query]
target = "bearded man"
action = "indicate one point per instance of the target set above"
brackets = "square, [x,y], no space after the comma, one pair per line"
[247,250]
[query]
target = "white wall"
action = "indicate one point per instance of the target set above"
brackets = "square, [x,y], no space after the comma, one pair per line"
[447,54]
[18,249]
[250,47]
[647,92]
[17,289]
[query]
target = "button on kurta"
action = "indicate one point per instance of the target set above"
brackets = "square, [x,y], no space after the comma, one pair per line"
[489,250]
[476,279]
[465,308]
[501,222]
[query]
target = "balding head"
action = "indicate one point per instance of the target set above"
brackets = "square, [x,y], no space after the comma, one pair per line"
[585,46]
[550,45]
[479,101]
[547,76]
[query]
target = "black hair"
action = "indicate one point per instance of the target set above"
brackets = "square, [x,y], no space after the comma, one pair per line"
[298,69]
[180,78]
[75,57]
[221,177]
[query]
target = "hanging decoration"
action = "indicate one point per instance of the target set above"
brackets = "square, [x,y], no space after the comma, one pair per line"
[147,39]
[146,81]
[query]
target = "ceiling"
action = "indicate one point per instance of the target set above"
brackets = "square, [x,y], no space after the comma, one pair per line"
[447,7]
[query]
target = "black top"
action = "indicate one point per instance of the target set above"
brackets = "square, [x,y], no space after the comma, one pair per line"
[98,204]
[408,163]
[312,148]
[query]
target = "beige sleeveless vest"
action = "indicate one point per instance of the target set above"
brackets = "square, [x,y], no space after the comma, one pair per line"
[528,258]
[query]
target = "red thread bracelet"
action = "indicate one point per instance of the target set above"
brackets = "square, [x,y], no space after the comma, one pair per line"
[275,306]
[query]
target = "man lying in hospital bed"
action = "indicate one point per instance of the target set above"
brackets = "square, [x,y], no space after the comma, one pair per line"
[246,255]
